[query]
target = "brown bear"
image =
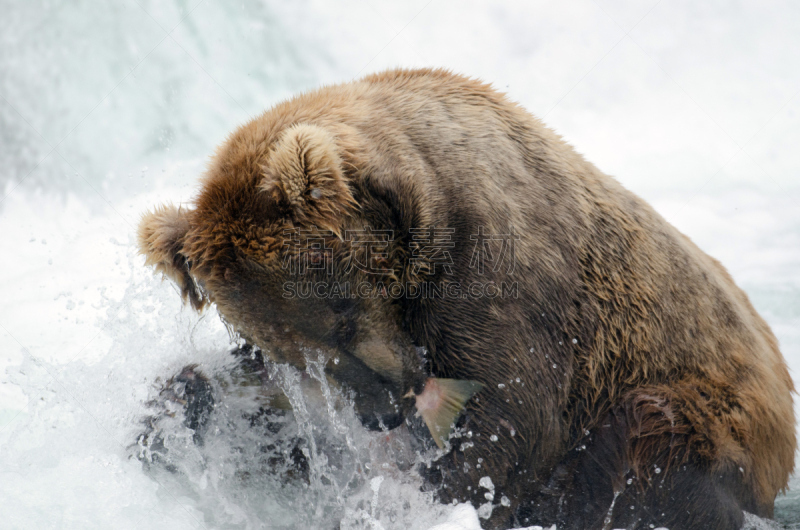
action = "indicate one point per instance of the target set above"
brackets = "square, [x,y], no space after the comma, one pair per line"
[416,226]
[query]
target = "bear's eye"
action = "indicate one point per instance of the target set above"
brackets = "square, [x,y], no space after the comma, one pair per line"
[341,305]
[342,334]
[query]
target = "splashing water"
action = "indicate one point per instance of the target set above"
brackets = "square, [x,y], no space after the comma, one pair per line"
[83,424]
[243,472]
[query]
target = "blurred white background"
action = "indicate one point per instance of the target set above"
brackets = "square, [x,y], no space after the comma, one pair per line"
[107,108]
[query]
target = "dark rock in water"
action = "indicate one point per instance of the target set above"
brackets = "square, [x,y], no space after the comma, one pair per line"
[199,401]
[192,396]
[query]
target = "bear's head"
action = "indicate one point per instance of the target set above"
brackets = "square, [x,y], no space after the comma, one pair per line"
[277,241]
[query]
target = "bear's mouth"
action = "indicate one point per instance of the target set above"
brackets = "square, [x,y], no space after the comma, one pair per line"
[378,401]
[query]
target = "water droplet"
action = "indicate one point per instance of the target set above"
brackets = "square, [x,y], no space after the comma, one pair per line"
[574,341]
[501,386]
[493,438]
[658,470]
[485,510]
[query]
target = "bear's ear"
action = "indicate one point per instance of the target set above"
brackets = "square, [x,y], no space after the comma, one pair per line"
[304,174]
[161,236]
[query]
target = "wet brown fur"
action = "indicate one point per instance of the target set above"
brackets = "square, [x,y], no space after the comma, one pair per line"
[618,313]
